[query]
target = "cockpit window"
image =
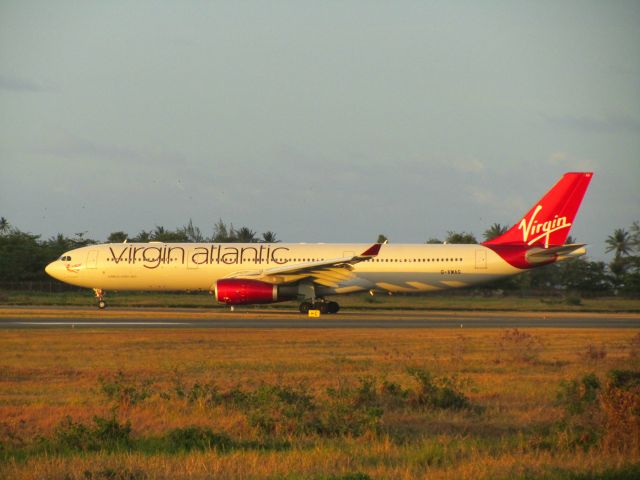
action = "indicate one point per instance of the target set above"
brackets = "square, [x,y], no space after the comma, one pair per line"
[65,258]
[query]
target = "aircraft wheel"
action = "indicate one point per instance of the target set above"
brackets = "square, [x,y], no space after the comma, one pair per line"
[323,307]
[333,307]
[305,307]
[102,304]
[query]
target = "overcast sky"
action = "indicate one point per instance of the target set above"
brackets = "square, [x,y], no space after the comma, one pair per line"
[322,121]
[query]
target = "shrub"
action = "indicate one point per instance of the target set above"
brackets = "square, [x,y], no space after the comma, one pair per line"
[125,390]
[345,413]
[634,346]
[114,474]
[111,434]
[573,299]
[196,438]
[439,392]
[517,346]
[575,396]
[620,403]
[593,353]
[348,476]
[610,414]
[106,434]
[393,395]
[70,435]
[625,379]
[274,409]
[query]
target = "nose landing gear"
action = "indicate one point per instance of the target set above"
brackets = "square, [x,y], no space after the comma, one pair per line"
[100,296]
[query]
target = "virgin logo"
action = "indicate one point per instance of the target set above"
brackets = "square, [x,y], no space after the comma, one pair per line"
[533,231]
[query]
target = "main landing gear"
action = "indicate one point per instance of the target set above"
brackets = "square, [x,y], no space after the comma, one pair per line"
[307,291]
[100,296]
[324,307]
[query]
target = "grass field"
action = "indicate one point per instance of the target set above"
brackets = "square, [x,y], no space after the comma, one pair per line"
[355,301]
[325,404]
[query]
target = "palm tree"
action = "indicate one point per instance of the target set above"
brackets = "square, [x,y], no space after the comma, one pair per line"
[117,237]
[245,235]
[460,237]
[269,237]
[159,232]
[494,231]
[222,233]
[619,243]
[4,225]
[635,235]
[192,232]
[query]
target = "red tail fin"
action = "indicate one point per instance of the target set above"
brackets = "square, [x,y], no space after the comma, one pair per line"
[549,221]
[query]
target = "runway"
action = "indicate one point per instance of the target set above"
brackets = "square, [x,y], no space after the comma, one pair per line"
[75,317]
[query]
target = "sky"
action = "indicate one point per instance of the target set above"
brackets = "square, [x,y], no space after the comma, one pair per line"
[321,121]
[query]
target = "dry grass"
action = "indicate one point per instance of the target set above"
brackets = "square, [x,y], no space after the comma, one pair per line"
[512,431]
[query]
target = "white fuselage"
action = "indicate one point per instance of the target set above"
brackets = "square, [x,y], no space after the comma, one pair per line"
[197,266]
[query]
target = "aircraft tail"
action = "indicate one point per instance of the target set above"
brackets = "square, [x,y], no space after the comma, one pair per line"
[550,219]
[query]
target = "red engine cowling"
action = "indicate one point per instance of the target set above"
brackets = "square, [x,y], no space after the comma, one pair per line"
[237,291]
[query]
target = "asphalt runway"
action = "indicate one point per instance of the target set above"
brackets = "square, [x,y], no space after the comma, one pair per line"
[78,317]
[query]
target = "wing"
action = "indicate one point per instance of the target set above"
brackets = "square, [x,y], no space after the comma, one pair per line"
[325,272]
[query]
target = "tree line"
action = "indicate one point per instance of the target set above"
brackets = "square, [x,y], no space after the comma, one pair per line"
[24,255]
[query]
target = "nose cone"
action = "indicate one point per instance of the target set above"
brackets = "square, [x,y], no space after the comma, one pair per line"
[53,270]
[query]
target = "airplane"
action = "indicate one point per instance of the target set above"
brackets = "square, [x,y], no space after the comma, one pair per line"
[264,273]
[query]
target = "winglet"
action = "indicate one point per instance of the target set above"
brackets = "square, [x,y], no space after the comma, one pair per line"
[372,251]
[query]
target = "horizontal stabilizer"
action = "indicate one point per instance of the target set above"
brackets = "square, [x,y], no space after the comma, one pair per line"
[539,255]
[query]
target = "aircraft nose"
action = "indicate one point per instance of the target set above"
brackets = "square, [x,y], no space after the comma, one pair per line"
[51,269]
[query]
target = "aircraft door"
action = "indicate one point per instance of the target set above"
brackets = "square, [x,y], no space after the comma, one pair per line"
[92,259]
[481,259]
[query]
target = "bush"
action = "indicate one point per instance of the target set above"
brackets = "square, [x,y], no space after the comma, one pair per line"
[106,434]
[75,436]
[625,379]
[114,474]
[573,300]
[281,409]
[349,411]
[594,354]
[610,414]
[620,403]
[577,395]
[634,346]
[196,438]
[125,390]
[517,346]
[348,476]
[439,392]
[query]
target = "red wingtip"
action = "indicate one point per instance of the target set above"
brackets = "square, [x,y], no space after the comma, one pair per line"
[372,251]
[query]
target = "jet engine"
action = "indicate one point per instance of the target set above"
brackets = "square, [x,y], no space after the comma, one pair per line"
[238,291]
